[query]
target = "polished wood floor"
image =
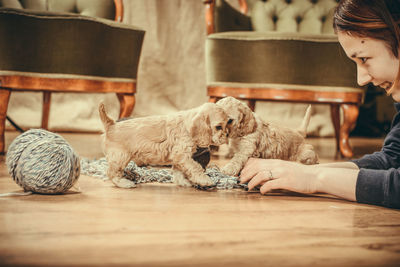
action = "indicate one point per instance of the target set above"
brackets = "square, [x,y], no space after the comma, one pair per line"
[165,225]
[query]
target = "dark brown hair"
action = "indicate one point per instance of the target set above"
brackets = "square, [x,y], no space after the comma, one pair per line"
[376,19]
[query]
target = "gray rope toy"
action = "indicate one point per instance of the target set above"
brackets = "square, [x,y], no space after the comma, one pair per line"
[97,168]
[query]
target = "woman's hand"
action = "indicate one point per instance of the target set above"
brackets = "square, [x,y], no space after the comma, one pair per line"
[279,174]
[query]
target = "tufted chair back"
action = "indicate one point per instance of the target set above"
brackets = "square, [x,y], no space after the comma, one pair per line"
[94,8]
[305,16]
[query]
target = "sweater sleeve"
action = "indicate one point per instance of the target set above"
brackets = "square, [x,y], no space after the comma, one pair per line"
[379,187]
[378,181]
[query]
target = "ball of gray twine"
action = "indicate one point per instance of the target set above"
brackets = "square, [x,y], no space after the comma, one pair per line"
[42,162]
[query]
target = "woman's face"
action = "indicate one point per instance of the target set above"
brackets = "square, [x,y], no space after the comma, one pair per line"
[375,61]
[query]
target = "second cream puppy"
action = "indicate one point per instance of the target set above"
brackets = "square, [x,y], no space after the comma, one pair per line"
[267,140]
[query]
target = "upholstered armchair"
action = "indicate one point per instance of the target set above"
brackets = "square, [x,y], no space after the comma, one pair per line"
[281,50]
[67,46]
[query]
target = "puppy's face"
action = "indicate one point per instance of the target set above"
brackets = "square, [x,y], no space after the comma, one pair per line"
[219,126]
[242,120]
[210,126]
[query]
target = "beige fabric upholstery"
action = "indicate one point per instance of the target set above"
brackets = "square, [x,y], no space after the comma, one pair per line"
[305,16]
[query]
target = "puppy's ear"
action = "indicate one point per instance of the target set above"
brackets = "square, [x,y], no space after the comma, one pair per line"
[201,130]
[247,122]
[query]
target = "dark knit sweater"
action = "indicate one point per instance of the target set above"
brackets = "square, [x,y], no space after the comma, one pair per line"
[378,181]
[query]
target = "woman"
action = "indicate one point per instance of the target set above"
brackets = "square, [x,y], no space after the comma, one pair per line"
[368,31]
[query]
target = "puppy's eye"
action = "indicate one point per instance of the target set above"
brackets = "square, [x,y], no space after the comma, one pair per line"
[219,127]
[230,121]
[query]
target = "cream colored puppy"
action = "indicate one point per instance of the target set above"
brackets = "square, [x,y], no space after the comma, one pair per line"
[163,140]
[268,140]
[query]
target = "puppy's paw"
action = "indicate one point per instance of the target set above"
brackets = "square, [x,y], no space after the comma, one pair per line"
[309,158]
[180,179]
[123,183]
[309,161]
[307,155]
[230,170]
[184,183]
[204,180]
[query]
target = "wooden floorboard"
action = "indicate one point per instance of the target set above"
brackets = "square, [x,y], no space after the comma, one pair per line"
[164,225]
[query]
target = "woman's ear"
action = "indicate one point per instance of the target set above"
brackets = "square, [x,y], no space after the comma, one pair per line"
[201,130]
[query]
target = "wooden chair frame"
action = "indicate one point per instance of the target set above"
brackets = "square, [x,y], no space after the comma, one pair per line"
[125,90]
[347,101]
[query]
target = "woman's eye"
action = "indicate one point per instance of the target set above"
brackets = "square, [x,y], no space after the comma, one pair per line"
[219,128]
[230,121]
[363,59]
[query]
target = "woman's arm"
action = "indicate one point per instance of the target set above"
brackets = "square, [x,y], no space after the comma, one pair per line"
[339,182]
[344,164]
[293,176]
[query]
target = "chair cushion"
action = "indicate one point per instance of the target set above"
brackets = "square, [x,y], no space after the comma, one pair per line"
[281,58]
[65,43]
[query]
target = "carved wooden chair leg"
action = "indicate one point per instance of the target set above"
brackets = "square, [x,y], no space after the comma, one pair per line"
[126,104]
[46,109]
[350,114]
[4,98]
[335,116]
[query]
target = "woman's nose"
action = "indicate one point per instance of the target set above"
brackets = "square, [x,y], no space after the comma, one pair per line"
[363,77]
